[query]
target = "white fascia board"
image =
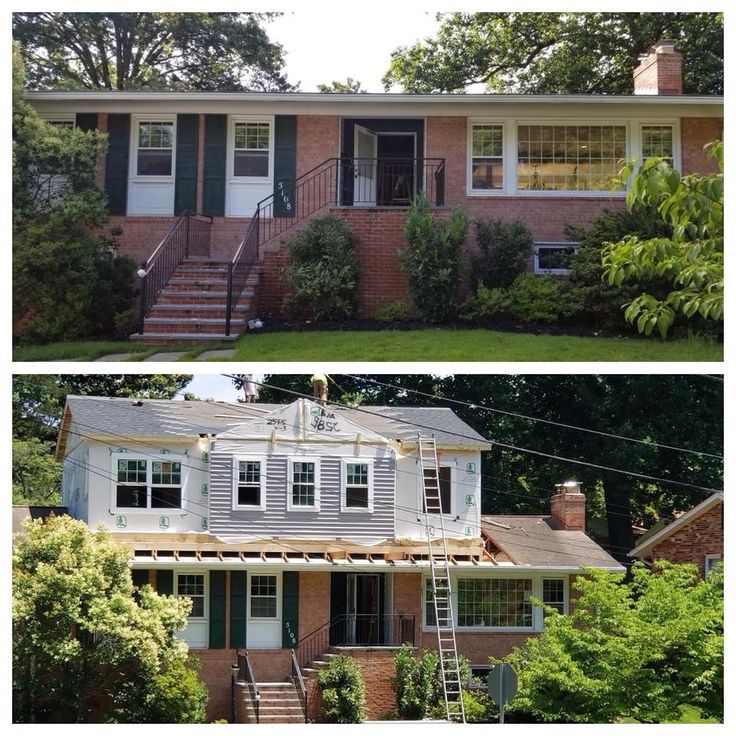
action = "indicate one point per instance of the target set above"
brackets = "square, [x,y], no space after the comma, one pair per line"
[375,105]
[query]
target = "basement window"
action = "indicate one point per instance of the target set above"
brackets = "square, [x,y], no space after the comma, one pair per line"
[554,258]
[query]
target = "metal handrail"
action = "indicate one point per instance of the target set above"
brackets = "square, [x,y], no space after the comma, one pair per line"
[249,678]
[183,236]
[298,679]
[333,182]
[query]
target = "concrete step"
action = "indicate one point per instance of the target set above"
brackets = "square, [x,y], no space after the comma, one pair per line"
[182,337]
[185,311]
[192,326]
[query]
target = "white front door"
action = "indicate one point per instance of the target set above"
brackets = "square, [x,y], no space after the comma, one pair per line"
[364,168]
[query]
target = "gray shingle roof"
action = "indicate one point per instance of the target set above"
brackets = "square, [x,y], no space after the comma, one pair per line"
[105,416]
[21,513]
[533,540]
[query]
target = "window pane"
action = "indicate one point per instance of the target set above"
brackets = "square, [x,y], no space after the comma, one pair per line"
[166,473]
[132,471]
[165,498]
[656,140]
[153,162]
[192,586]
[510,604]
[251,163]
[487,173]
[429,612]
[263,596]
[553,594]
[554,257]
[487,153]
[473,602]
[131,497]
[249,495]
[249,471]
[356,497]
[570,157]
[303,484]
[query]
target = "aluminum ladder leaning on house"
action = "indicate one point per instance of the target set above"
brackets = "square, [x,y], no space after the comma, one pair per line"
[440,570]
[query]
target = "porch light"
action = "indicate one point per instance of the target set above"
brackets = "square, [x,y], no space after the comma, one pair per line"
[141,272]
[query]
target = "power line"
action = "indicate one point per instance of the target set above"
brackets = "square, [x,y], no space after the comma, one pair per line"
[493,410]
[507,446]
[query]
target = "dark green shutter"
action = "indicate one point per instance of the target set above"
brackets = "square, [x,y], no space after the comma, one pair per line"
[140,578]
[217,609]
[165,582]
[238,608]
[187,145]
[215,152]
[338,605]
[284,164]
[290,610]
[87,120]
[116,170]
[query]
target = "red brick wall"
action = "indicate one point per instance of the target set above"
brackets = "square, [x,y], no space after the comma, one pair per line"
[314,601]
[694,134]
[702,536]
[317,139]
[659,73]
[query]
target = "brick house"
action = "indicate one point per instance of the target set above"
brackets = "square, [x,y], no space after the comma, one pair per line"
[299,531]
[256,166]
[695,537]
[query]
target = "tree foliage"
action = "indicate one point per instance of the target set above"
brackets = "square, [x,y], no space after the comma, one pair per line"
[349,86]
[505,251]
[547,53]
[431,259]
[635,649]
[690,259]
[182,51]
[68,281]
[84,649]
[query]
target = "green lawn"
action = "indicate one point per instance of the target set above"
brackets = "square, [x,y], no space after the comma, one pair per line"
[689,714]
[395,345]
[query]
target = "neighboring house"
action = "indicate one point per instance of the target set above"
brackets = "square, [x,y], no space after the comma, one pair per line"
[261,164]
[298,527]
[695,537]
[21,513]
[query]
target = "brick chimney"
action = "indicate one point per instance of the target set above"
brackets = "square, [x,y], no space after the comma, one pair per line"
[659,71]
[567,507]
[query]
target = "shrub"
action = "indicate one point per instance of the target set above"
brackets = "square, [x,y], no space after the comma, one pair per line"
[322,271]
[506,248]
[343,692]
[396,311]
[431,259]
[530,299]
[413,682]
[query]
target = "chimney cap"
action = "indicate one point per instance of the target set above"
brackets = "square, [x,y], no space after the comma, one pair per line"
[569,486]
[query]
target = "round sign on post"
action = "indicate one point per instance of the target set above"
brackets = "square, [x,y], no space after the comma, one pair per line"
[502,685]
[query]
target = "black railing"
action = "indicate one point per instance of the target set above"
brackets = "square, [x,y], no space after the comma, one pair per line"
[189,235]
[345,182]
[298,679]
[357,630]
[246,672]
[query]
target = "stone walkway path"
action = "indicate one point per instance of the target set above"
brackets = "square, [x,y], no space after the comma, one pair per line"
[169,357]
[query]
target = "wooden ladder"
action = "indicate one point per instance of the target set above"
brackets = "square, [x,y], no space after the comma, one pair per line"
[439,566]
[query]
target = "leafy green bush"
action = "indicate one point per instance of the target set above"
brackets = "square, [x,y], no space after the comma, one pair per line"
[343,692]
[530,300]
[506,248]
[475,707]
[397,311]
[431,259]
[322,271]
[413,682]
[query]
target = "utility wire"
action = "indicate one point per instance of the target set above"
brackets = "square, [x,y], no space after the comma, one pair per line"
[480,407]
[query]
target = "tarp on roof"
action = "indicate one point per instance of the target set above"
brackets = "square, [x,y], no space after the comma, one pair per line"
[534,541]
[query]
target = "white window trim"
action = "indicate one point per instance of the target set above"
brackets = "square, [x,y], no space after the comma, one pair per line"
[454,484]
[237,459]
[270,619]
[149,459]
[552,271]
[230,167]
[506,158]
[133,174]
[206,576]
[676,141]
[537,611]
[510,150]
[317,480]
[344,485]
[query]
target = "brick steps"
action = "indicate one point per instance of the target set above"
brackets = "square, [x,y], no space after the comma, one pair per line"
[192,307]
[279,703]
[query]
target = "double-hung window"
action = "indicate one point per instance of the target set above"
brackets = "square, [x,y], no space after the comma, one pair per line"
[263,596]
[249,487]
[553,594]
[252,149]
[358,485]
[192,586]
[303,493]
[486,154]
[155,149]
[148,484]
[658,140]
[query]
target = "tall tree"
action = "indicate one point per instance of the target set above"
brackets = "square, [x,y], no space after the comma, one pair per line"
[349,86]
[547,53]
[85,650]
[38,404]
[199,51]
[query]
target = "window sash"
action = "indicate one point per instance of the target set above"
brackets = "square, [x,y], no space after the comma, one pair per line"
[263,596]
[192,586]
[303,491]
[249,491]
[553,258]
[658,140]
[155,148]
[148,485]
[251,149]
[357,485]
[553,594]
[486,150]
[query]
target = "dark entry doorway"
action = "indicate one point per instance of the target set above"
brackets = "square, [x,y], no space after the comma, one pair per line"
[358,606]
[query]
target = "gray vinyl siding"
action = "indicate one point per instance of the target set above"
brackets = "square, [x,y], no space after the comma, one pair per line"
[328,522]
